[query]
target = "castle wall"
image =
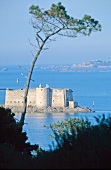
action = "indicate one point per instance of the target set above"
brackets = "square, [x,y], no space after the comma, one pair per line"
[40,97]
[31,98]
[58,97]
[73,104]
[15,97]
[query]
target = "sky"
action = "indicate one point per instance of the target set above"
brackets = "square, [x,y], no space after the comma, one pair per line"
[16,31]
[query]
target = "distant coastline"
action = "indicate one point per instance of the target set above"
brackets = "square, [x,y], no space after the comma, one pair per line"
[89,66]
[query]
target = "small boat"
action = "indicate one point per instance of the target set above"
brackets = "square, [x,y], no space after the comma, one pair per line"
[4,69]
[17,81]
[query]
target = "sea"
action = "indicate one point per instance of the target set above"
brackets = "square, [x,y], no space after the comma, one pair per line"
[91,89]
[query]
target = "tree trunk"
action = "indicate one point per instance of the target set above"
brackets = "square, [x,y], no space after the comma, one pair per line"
[27,85]
[30,74]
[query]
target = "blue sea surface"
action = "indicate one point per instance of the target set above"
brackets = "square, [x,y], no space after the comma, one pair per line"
[90,89]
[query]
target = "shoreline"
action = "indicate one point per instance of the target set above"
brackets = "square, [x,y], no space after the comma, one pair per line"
[81,109]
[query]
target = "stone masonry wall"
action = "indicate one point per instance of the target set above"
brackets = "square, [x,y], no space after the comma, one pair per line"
[58,97]
[31,99]
[39,97]
[15,97]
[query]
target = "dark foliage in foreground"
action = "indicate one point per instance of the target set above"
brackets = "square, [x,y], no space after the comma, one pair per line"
[11,133]
[79,145]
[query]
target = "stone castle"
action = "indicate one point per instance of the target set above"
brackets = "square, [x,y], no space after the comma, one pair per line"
[41,98]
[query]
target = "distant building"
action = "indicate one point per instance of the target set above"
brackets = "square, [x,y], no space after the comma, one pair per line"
[41,97]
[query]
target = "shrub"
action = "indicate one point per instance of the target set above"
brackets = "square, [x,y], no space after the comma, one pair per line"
[11,132]
[82,145]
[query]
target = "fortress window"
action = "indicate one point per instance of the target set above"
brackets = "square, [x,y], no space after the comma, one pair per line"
[14,101]
[10,101]
[18,101]
[22,101]
[30,101]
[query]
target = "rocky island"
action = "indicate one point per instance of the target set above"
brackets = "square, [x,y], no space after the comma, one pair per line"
[30,109]
[43,99]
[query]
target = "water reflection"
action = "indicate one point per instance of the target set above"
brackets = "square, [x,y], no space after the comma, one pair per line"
[35,125]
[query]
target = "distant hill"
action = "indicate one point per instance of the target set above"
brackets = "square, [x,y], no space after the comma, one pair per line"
[97,63]
[88,66]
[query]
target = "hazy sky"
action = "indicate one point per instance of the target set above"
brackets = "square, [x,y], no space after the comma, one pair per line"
[15,30]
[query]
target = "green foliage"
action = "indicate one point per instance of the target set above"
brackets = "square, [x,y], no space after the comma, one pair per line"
[67,129]
[35,10]
[57,21]
[82,145]
[11,132]
[59,11]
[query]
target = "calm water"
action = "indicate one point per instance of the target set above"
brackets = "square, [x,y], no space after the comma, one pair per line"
[87,87]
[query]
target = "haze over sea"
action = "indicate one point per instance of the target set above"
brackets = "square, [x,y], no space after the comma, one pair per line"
[90,89]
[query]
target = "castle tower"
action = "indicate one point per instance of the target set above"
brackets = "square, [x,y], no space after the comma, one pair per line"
[61,97]
[69,96]
[58,98]
[42,97]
